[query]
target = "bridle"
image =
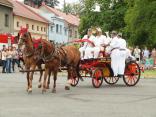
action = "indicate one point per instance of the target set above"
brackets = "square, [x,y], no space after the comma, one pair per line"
[49,57]
[22,41]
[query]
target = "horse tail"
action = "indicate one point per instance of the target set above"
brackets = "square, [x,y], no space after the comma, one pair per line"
[78,71]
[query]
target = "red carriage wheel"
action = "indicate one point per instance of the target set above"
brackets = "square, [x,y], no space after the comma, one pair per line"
[111,80]
[75,81]
[97,78]
[132,74]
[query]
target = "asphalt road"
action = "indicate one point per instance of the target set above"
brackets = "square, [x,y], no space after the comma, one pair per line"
[81,101]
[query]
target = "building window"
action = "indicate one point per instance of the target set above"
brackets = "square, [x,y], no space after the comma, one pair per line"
[37,28]
[32,27]
[51,28]
[44,29]
[6,20]
[65,31]
[75,34]
[17,24]
[70,33]
[27,26]
[57,28]
[60,29]
[41,28]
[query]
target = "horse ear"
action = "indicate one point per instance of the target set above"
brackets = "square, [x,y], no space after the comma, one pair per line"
[29,35]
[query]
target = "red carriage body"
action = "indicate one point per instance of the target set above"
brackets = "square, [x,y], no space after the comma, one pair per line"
[100,69]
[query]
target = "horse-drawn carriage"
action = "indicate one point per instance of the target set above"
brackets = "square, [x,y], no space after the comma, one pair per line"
[69,56]
[100,69]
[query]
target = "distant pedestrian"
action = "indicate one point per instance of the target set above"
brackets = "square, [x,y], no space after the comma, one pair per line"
[146,53]
[136,54]
[3,57]
[15,59]
[9,59]
[153,55]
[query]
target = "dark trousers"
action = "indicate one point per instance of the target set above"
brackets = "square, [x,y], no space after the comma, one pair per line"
[8,65]
[4,66]
[13,64]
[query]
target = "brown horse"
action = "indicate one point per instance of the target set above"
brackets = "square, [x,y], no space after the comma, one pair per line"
[56,57]
[29,59]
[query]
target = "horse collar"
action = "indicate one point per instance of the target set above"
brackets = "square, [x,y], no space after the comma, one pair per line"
[50,57]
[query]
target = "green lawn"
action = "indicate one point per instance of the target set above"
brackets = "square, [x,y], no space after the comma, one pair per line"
[149,74]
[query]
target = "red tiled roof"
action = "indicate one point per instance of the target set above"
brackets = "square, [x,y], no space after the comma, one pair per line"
[21,9]
[68,17]
[6,3]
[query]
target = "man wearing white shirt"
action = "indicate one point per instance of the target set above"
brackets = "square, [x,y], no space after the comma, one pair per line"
[99,42]
[87,45]
[114,50]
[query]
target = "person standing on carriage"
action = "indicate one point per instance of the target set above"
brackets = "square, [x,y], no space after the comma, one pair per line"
[87,45]
[122,54]
[114,52]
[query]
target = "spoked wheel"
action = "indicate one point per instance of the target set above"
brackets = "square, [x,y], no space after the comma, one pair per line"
[97,78]
[75,81]
[111,80]
[132,74]
[108,75]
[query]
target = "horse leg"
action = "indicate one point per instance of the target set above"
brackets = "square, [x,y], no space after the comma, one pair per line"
[41,73]
[28,84]
[48,80]
[45,78]
[67,86]
[54,85]
[31,78]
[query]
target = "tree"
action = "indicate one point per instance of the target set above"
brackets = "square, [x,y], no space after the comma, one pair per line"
[51,3]
[140,22]
[110,18]
[73,8]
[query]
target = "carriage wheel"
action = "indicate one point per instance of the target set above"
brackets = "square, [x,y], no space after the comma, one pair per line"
[97,78]
[75,81]
[111,80]
[108,76]
[132,74]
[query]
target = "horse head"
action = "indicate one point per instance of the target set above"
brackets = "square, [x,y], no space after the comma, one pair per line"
[47,51]
[24,39]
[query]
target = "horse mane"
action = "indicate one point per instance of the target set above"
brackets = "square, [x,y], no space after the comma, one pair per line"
[29,36]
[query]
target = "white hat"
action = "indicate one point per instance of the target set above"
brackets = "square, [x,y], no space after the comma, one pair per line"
[99,29]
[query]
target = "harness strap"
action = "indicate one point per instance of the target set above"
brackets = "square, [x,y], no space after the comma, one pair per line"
[115,48]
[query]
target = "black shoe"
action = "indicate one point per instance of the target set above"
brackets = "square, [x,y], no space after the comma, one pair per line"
[120,76]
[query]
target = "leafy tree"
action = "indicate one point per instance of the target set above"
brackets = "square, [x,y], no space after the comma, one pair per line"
[110,18]
[51,3]
[73,8]
[141,24]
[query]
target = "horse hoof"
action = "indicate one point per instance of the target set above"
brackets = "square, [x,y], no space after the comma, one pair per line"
[39,86]
[67,88]
[43,91]
[47,87]
[29,91]
[54,91]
